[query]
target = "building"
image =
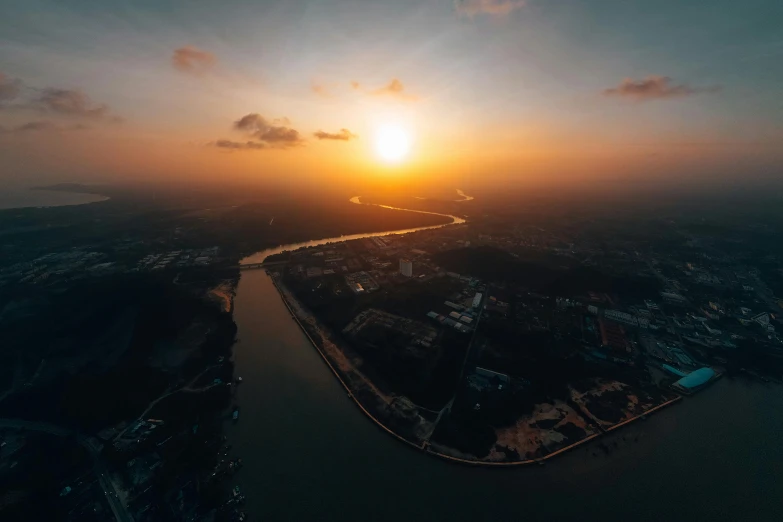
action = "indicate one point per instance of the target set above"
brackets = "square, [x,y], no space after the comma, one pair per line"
[694,380]
[613,337]
[406,267]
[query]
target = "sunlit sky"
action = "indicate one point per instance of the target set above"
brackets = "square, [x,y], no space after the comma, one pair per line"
[484,90]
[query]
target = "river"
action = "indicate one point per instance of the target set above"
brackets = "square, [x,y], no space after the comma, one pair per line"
[310,454]
[259,257]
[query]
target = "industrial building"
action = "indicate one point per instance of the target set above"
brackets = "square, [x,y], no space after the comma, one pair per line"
[406,267]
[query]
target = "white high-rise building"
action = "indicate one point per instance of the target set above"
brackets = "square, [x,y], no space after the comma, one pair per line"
[406,267]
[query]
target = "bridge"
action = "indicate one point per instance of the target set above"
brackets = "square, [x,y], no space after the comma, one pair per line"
[263,264]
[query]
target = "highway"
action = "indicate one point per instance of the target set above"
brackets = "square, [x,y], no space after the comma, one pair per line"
[104,478]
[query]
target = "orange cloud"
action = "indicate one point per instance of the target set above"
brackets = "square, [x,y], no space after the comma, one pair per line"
[654,88]
[342,135]
[489,7]
[321,90]
[393,88]
[191,60]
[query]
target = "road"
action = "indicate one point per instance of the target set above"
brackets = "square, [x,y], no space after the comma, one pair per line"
[104,478]
[188,388]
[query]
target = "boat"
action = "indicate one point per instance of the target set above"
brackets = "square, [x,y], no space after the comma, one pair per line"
[239,380]
[235,415]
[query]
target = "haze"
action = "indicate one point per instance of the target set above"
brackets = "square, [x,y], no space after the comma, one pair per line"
[528,93]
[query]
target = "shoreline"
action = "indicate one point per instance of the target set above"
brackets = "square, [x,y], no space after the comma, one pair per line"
[425,447]
[334,370]
[51,194]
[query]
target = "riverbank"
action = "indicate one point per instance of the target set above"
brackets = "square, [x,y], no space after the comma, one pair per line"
[296,311]
[346,372]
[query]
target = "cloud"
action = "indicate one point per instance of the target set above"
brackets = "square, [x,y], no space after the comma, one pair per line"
[342,135]
[275,133]
[42,126]
[36,126]
[488,7]
[238,145]
[321,90]
[9,88]
[393,88]
[191,60]
[55,101]
[654,88]
[73,103]
[355,85]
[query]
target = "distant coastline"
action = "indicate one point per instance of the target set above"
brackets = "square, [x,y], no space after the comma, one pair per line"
[48,196]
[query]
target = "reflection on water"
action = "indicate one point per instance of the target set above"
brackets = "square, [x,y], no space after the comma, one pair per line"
[259,257]
[464,196]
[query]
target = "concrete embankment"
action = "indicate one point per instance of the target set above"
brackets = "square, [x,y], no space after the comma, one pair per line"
[336,373]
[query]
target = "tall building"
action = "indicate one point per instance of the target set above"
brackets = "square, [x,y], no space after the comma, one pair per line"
[406,267]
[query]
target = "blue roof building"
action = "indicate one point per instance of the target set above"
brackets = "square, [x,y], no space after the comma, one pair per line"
[695,379]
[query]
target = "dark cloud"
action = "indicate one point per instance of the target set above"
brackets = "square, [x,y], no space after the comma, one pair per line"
[275,133]
[238,145]
[488,7]
[342,135]
[191,60]
[67,103]
[654,88]
[42,126]
[393,88]
[10,88]
[72,103]
[36,126]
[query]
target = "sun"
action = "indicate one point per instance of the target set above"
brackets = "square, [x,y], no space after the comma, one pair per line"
[392,143]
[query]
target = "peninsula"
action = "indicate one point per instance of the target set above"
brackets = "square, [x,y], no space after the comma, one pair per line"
[457,342]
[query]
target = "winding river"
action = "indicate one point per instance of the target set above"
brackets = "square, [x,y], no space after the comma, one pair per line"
[259,257]
[310,454]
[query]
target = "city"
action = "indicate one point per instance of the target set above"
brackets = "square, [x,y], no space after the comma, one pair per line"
[607,349]
[391,260]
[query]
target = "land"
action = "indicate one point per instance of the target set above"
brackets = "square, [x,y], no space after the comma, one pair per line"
[117,328]
[518,335]
[512,342]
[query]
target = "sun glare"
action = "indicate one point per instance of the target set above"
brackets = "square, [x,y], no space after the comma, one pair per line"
[392,143]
